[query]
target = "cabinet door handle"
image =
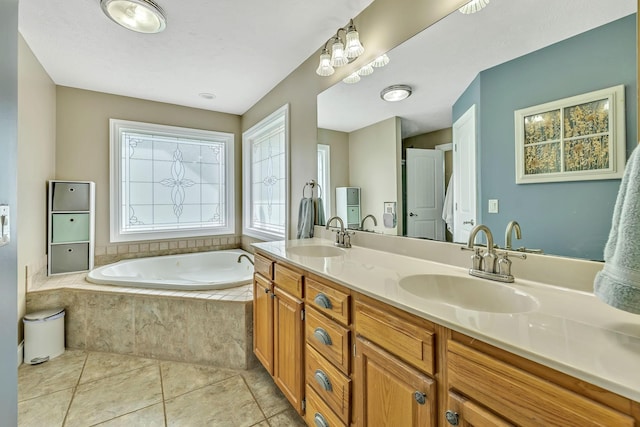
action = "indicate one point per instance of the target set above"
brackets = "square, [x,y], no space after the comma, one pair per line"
[322,336]
[323,301]
[420,397]
[266,290]
[323,380]
[319,420]
[452,417]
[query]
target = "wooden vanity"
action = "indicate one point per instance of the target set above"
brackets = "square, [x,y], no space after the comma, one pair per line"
[343,358]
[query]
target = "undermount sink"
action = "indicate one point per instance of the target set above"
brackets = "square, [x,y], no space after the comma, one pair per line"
[320,251]
[469,293]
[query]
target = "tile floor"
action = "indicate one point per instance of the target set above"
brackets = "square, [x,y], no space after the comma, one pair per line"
[81,388]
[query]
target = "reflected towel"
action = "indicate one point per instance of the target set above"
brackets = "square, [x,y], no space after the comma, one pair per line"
[320,219]
[306,217]
[447,209]
[618,284]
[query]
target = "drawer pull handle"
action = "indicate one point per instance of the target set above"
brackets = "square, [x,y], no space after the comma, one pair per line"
[322,336]
[319,420]
[420,397]
[323,301]
[266,290]
[452,417]
[323,380]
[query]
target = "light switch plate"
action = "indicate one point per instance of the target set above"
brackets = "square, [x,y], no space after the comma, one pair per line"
[493,205]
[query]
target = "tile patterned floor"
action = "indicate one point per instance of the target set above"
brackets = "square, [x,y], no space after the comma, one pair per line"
[82,389]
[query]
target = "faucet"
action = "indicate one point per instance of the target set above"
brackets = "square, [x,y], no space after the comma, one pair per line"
[513,225]
[245,256]
[375,221]
[342,238]
[489,259]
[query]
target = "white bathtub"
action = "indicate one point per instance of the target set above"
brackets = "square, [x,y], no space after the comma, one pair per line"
[196,271]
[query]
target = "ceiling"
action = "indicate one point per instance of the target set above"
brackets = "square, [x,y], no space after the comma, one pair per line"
[441,61]
[236,50]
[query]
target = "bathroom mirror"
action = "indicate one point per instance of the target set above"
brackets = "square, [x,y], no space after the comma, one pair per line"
[510,55]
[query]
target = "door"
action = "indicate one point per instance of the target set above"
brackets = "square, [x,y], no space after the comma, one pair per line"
[288,340]
[390,392]
[425,193]
[263,321]
[464,171]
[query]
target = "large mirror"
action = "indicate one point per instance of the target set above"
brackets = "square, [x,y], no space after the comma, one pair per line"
[509,56]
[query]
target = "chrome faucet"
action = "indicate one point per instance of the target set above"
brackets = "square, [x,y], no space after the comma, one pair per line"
[488,266]
[375,221]
[245,256]
[342,237]
[513,225]
[489,259]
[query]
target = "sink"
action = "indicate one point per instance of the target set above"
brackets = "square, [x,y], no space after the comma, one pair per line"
[469,293]
[320,251]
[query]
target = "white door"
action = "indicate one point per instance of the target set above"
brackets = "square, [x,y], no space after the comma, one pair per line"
[425,193]
[464,170]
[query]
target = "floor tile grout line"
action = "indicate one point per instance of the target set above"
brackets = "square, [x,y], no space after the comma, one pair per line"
[75,389]
[164,402]
[253,396]
[123,415]
[206,385]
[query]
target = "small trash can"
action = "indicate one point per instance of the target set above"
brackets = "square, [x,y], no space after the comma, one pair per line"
[43,335]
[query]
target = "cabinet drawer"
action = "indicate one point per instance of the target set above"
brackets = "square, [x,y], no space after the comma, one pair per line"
[69,258]
[331,385]
[70,228]
[263,266]
[318,413]
[329,338]
[288,279]
[522,398]
[411,342]
[330,301]
[71,196]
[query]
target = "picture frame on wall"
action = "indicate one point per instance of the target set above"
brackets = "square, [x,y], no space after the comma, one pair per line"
[578,138]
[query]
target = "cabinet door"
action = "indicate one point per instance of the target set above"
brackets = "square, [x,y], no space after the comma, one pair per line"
[462,412]
[263,321]
[391,392]
[288,340]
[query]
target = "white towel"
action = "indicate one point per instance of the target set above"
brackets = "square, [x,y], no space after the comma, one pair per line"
[447,210]
[618,284]
[306,217]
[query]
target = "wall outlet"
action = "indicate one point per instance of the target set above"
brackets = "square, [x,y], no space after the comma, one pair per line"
[493,205]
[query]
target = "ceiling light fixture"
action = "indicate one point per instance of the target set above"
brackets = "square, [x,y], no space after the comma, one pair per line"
[341,52]
[142,16]
[395,93]
[474,6]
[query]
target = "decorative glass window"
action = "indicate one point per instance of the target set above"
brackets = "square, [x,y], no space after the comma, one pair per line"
[265,169]
[577,138]
[169,182]
[324,174]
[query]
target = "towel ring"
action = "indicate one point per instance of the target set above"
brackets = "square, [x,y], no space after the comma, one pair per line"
[311,184]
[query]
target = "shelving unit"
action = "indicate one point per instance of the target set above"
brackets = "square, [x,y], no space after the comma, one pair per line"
[348,206]
[70,226]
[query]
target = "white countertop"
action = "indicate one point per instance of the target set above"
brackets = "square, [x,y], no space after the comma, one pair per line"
[570,331]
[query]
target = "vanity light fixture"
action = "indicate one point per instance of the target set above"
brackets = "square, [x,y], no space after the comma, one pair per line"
[395,93]
[352,78]
[474,6]
[380,61]
[142,16]
[341,52]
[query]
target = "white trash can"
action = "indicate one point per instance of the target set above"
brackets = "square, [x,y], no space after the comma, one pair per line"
[43,335]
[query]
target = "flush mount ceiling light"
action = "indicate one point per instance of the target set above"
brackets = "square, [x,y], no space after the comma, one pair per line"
[395,93]
[142,16]
[473,6]
[342,52]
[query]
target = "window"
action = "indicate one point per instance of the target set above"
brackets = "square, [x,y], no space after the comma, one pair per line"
[324,173]
[169,182]
[266,172]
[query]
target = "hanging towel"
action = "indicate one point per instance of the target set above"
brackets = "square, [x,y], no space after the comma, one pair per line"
[306,216]
[320,219]
[447,210]
[618,284]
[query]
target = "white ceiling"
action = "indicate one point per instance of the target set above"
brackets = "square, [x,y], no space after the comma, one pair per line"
[237,50]
[441,62]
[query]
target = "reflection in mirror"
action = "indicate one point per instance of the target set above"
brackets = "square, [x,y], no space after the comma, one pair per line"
[509,56]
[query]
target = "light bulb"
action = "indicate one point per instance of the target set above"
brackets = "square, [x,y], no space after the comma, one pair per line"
[338,59]
[324,68]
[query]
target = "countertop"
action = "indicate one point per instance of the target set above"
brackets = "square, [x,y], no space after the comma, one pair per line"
[570,331]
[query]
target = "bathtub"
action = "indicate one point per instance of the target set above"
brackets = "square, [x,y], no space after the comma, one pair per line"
[195,271]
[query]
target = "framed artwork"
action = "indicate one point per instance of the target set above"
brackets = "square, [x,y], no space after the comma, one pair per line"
[573,139]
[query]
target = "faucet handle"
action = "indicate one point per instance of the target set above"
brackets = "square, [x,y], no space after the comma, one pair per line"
[504,265]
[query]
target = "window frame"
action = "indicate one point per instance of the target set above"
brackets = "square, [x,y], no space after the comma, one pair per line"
[325,185]
[263,126]
[116,231]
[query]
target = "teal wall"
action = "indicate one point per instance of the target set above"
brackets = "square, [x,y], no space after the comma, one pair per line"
[567,218]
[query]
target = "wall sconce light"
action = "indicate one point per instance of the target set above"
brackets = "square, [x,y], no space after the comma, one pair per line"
[341,53]
[395,93]
[142,16]
[473,6]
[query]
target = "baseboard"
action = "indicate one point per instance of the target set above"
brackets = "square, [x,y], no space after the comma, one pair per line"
[20,353]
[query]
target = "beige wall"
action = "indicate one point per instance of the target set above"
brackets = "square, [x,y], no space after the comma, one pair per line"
[82,149]
[36,164]
[339,143]
[382,26]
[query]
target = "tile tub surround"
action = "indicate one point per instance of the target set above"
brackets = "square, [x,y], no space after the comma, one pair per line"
[83,388]
[209,327]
